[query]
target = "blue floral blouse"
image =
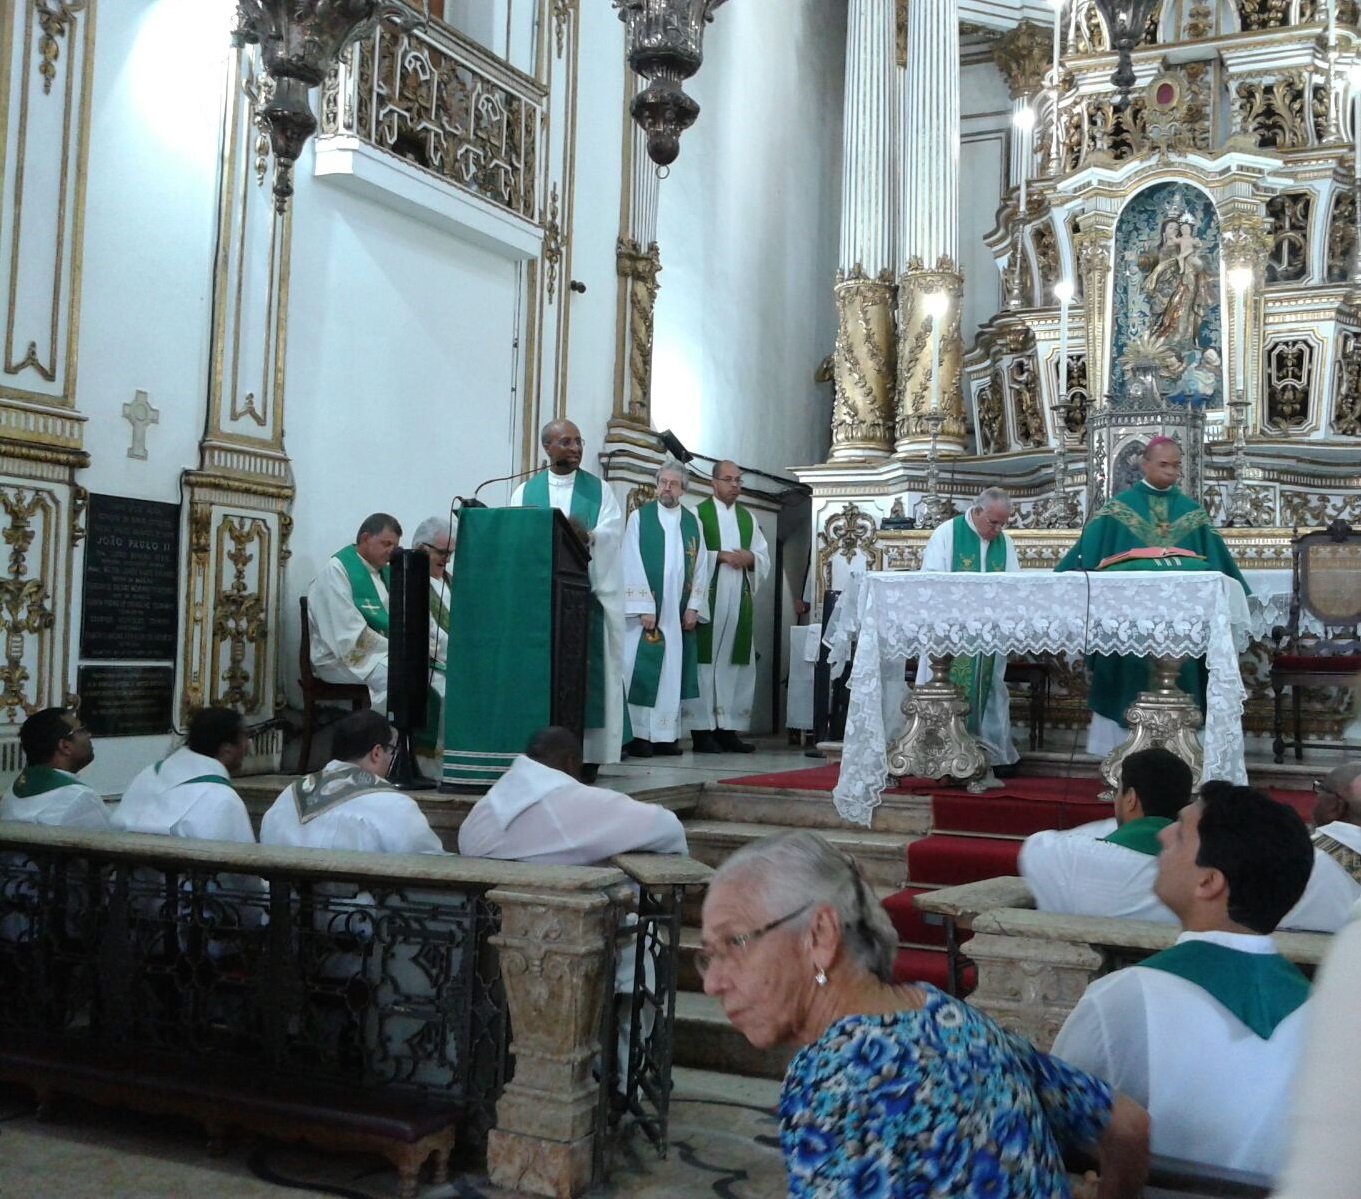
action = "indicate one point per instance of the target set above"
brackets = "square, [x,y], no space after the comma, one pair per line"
[939,1103]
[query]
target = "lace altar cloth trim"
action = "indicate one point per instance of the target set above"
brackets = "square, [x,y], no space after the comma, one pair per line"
[903,614]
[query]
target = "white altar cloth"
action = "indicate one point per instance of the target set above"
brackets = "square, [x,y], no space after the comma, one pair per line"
[904,614]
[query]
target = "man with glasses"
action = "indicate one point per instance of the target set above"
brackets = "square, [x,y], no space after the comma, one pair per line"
[435,537]
[1335,882]
[738,563]
[347,804]
[977,543]
[56,747]
[1151,516]
[590,505]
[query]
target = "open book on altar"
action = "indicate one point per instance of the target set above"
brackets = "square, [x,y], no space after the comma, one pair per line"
[1152,557]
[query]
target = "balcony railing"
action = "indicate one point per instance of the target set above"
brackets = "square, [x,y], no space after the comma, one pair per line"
[444,104]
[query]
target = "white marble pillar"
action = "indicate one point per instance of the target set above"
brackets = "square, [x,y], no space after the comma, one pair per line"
[863,364]
[928,216]
[637,264]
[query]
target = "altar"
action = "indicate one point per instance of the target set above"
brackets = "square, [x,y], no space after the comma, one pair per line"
[893,615]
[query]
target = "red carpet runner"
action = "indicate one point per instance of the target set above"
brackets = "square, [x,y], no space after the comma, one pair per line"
[973,837]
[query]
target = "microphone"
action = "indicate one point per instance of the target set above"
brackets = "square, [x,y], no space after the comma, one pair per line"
[474,502]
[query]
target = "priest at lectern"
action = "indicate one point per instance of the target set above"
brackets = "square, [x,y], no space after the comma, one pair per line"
[1150,526]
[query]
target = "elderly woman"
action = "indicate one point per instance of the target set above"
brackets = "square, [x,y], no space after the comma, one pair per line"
[896,1091]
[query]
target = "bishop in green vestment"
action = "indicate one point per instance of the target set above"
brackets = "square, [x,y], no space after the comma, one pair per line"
[585,500]
[1151,514]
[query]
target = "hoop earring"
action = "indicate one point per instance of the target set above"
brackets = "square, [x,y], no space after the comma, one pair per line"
[820,976]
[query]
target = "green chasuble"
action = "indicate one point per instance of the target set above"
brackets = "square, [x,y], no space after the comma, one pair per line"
[586,494]
[1140,835]
[39,780]
[1144,517]
[707,513]
[647,665]
[974,675]
[1261,989]
[362,589]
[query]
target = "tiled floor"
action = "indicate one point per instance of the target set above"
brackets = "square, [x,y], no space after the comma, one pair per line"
[723,1142]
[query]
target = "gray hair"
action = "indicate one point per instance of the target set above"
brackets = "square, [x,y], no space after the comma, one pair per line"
[430,528]
[670,466]
[992,495]
[800,868]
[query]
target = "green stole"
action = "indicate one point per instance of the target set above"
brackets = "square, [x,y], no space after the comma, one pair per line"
[586,500]
[707,513]
[974,675]
[1261,989]
[1140,835]
[647,665]
[362,589]
[1143,516]
[201,778]
[39,780]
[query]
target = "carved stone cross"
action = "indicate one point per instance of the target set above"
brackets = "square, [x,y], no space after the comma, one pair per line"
[139,414]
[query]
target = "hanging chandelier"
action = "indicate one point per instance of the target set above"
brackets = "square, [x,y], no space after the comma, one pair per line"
[665,46]
[1125,22]
[300,42]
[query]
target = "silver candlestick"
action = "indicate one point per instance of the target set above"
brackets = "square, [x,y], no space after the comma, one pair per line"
[935,509]
[1239,512]
[1061,511]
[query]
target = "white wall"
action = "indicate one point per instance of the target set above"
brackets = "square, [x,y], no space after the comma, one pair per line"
[984,134]
[748,230]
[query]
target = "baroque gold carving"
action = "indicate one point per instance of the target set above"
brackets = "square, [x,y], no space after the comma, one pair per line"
[552,243]
[1288,261]
[1347,401]
[992,429]
[1289,383]
[639,268]
[1023,56]
[914,351]
[241,614]
[644,493]
[55,21]
[1024,387]
[1341,236]
[847,533]
[863,366]
[25,602]
[1274,112]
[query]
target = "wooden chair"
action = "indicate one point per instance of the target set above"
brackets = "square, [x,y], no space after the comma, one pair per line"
[1326,584]
[315,690]
[1033,674]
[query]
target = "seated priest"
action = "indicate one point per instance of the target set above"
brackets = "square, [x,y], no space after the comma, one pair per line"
[189,794]
[1151,515]
[347,610]
[1207,1035]
[56,748]
[976,542]
[1335,882]
[435,537]
[347,804]
[1087,872]
[587,501]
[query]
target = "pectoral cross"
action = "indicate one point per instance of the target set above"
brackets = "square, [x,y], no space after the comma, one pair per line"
[139,414]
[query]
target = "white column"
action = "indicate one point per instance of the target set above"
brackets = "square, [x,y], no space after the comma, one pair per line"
[863,363]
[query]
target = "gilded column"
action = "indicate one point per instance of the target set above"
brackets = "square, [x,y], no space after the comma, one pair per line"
[864,359]
[637,264]
[928,223]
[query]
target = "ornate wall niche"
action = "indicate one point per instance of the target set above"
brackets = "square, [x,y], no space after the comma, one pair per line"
[1346,416]
[1289,214]
[1023,386]
[1290,364]
[1046,251]
[1285,113]
[1341,236]
[990,424]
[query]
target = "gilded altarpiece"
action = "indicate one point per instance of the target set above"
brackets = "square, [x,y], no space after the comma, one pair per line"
[46,60]
[239,496]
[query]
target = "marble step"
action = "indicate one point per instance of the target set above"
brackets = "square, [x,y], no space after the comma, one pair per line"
[706,1041]
[880,856]
[807,809]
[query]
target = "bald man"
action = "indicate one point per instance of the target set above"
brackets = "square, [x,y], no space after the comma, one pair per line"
[738,564]
[585,499]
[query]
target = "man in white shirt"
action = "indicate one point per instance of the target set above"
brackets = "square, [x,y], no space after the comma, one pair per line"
[347,610]
[539,811]
[976,542]
[347,804]
[1096,871]
[56,747]
[190,794]
[1207,1035]
[1335,884]
[738,564]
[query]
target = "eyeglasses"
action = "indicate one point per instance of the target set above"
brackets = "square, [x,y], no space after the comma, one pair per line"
[1322,788]
[75,732]
[730,479]
[739,943]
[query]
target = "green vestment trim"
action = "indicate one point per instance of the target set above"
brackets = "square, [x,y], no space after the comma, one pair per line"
[362,588]
[973,675]
[38,780]
[1261,989]
[319,792]
[1140,835]
[587,494]
[1143,516]
[207,778]
[647,665]
[707,514]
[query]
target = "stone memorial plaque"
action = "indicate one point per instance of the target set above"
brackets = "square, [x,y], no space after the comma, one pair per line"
[126,701]
[131,602]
